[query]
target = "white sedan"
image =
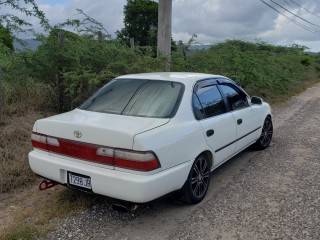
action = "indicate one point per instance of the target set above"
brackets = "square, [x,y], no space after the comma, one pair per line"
[142,136]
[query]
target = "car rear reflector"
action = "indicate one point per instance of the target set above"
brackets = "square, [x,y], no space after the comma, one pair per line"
[135,160]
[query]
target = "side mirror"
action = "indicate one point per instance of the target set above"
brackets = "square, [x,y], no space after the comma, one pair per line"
[256,100]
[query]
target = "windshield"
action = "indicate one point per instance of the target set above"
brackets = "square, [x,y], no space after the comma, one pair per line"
[137,97]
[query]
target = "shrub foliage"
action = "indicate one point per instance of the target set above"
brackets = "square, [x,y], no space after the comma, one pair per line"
[67,67]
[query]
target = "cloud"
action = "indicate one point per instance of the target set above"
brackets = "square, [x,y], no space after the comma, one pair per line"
[108,12]
[212,20]
[221,19]
[217,20]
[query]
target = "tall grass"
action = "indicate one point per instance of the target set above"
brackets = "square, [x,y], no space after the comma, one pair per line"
[15,143]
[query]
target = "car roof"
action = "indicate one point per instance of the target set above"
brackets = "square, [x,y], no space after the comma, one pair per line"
[187,78]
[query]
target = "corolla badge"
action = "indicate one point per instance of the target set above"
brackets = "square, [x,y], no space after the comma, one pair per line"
[77,134]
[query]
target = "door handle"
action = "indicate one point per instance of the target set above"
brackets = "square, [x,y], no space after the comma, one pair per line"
[239,121]
[210,132]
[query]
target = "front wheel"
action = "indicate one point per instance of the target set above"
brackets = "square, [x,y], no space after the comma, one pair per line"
[197,184]
[266,135]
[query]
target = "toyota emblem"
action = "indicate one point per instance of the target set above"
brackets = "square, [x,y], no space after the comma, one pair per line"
[77,134]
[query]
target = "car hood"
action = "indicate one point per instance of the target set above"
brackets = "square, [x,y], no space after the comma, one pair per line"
[97,128]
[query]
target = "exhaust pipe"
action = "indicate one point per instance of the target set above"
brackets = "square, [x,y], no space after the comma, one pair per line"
[45,184]
[124,207]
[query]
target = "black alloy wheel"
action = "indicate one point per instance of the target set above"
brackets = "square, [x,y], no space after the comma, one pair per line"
[198,180]
[266,134]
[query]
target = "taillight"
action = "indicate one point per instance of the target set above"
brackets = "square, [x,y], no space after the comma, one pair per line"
[142,161]
[139,161]
[43,142]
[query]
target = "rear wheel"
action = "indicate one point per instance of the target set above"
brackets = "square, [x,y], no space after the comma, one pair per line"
[266,135]
[198,181]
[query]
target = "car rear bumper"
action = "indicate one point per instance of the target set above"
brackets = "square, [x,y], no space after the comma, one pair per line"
[112,183]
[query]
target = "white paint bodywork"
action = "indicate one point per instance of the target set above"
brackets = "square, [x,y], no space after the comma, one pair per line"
[176,142]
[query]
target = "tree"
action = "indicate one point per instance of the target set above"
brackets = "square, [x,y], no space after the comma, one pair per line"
[6,37]
[140,22]
[16,24]
[11,23]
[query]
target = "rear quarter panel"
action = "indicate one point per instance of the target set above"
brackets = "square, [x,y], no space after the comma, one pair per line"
[174,143]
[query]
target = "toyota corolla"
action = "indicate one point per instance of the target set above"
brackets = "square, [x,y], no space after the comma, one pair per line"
[142,136]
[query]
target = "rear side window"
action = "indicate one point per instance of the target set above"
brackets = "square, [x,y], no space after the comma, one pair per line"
[197,108]
[211,101]
[137,97]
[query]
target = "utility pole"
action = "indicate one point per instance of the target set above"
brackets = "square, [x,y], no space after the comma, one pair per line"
[164,30]
[132,43]
[100,36]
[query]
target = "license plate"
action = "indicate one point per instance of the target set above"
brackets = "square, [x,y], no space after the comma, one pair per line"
[79,181]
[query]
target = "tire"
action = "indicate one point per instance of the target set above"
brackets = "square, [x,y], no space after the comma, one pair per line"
[197,184]
[266,135]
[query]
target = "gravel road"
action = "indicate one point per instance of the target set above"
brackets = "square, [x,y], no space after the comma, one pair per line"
[271,194]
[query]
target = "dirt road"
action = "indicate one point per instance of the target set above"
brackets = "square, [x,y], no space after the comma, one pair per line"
[272,194]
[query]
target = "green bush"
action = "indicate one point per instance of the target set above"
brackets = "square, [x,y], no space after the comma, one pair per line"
[64,76]
[306,60]
[260,68]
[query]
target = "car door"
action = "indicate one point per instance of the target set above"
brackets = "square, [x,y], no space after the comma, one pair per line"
[217,123]
[246,116]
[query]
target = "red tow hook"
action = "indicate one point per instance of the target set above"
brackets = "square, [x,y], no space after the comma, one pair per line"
[45,184]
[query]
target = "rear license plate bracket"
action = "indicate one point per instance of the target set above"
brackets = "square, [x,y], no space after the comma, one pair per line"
[79,181]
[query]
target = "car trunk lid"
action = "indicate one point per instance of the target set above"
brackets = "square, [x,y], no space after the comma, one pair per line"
[104,129]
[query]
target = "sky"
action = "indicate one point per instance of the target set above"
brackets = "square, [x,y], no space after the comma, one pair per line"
[212,21]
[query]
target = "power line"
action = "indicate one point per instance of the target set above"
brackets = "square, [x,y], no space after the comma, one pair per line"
[294,14]
[304,9]
[290,4]
[291,19]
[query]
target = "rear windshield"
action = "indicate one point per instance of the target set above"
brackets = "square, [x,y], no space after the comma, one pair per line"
[137,97]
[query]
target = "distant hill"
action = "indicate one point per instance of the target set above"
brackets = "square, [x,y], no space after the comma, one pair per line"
[31,44]
[199,47]
[312,53]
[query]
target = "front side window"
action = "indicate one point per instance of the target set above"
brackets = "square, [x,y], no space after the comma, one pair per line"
[235,99]
[137,97]
[211,101]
